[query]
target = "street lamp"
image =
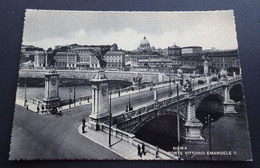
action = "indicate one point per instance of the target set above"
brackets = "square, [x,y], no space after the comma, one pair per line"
[129,103]
[74,91]
[25,86]
[178,122]
[170,89]
[209,121]
[70,90]
[110,118]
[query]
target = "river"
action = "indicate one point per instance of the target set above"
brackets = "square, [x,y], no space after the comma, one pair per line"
[38,92]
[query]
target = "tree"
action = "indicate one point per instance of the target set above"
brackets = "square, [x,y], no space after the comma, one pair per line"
[233,69]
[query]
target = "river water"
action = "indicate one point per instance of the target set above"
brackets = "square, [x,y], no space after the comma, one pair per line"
[38,92]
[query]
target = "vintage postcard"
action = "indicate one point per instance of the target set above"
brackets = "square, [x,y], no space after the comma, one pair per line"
[130,86]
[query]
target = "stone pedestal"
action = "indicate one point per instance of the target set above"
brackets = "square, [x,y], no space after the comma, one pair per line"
[206,67]
[229,107]
[155,97]
[193,126]
[51,98]
[100,101]
[193,131]
[208,80]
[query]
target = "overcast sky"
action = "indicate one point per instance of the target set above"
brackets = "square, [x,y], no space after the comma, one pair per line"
[47,28]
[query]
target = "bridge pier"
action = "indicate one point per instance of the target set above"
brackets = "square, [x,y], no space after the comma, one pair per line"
[192,125]
[51,98]
[229,105]
[100,101]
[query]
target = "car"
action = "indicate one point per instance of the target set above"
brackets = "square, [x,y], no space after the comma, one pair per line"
[214,79]
[201,82]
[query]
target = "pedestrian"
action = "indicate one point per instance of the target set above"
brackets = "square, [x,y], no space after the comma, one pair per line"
[80,101]
[83,125]
[139,151]
[157,152]
[88,99]
[143,149]
[25,103]
[38,109]
[126,108]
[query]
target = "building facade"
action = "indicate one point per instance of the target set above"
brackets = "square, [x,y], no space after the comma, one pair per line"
[115,60]
[144,45]
[191,50]
[174,50]
[40,59]
[65,60]
[223,59]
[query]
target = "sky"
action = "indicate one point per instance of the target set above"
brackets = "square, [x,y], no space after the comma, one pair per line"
[47,28]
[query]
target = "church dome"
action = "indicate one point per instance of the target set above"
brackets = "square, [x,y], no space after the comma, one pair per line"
[144,42]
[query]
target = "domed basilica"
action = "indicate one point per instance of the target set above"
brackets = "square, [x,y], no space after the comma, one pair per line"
[144,45]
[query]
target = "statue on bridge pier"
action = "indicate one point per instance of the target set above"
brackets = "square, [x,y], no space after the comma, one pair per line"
[187,87]
[179,73]
[137,79]
[100,94]
[223,75]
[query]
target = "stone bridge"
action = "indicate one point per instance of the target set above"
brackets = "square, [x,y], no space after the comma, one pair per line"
[89,74]
[189,104]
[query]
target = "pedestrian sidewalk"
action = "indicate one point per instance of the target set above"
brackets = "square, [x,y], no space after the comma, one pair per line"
[119,146]
[32,107]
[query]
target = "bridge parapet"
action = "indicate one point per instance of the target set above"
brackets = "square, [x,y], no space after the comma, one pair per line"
[188,103]
[89,74]
[131,139]
[169,101]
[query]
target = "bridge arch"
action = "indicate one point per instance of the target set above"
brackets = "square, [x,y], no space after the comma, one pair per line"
[236,92]
[160,130]
[210,104]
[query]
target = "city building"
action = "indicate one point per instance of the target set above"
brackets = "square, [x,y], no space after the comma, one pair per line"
[191,50]
[172,51]
[86,58]
[155,65]
[83,57]
[144,45]
[191,63]
[28,53]
[115,59]
[40,59]
[65,60]
[223,59]
[132,59]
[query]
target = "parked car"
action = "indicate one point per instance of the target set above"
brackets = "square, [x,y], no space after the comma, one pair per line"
[214,79]
[201,82]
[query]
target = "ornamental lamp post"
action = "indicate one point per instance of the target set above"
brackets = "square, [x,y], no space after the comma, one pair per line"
[170,89]
[209,121]
[70,90]
[25,86]
[178,122]
[110,118]
[129,103]
[74,91]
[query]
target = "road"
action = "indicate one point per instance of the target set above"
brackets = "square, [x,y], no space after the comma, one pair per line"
[55,137]
[37,136]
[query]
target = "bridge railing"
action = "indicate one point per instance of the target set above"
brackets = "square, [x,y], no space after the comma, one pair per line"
[135,113]
[120,119]
[78,99]
[131,139]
